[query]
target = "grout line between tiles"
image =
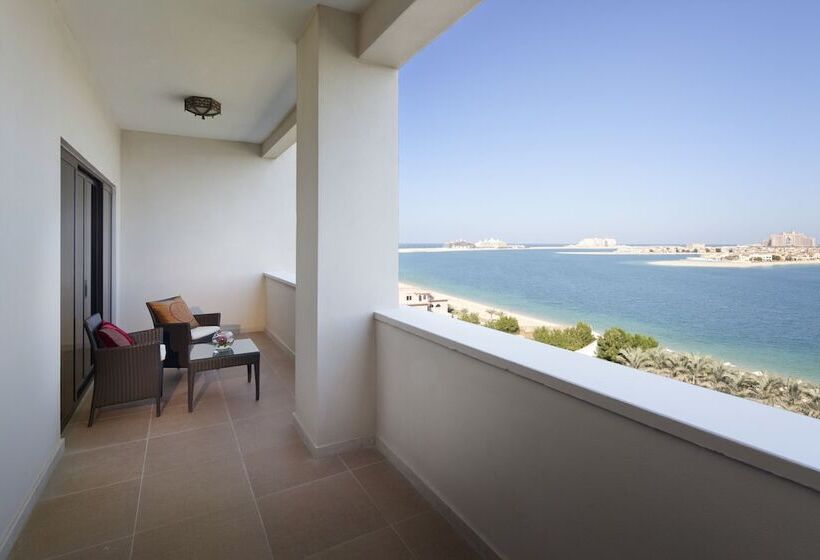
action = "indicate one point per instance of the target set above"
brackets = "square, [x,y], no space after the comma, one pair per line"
[76,550]
[401,539]
[245,470]
[348,541]
[375,505]
[78,451]
[296,486]
[100,487]
[142,478]
[186,430]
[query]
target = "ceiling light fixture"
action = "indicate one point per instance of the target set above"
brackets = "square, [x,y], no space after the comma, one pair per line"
[203,106]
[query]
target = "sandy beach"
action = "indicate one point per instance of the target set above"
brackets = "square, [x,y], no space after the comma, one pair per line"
[527,323]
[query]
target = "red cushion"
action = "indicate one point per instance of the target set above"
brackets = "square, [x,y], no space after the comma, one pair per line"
[110,335]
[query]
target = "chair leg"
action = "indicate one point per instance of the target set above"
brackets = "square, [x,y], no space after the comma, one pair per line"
[93,406]
[249,373]
[159,400]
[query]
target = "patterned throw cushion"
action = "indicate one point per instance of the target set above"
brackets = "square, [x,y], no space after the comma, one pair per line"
[110,335]
[173,310]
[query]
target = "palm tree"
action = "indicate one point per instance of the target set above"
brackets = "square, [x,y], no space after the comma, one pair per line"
[771,389]
[793,393]
[747,385]
[680,366]
[635,358]
[662,362]
[702,367]
[812,405]
[725,379]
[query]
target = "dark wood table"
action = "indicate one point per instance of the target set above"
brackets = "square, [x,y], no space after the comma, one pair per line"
[204,357]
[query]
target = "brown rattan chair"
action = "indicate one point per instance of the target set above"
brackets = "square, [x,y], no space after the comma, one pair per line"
[125,373]
[177,336]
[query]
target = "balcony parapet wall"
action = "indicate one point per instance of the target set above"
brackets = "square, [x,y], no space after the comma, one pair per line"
[543,452]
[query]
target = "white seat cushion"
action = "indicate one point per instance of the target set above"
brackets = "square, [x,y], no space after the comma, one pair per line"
[198,333]
[162,352]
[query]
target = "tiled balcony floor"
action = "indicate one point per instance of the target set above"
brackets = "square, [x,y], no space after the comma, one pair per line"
[231,480]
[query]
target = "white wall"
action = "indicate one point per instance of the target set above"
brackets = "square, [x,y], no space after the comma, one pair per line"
[45,94]
[203,219]
[540,474]
[281,306]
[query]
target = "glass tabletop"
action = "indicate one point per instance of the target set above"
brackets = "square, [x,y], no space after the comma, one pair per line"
[208,350]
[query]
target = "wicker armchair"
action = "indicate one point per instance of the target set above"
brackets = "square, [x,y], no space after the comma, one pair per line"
[125,373]
[177,336]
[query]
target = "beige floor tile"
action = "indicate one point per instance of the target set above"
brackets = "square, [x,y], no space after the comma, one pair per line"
[77,521]
[381,545]
[269,403]
[274,469]
[95,468]
[283,367]
[79,437]
[206,387]
[81,414]
[239,372]
[188,449]
[311,518]
[362,457]
[268,431]
[429,537]
[239,386]
[288,382]
[390,491]
[115,550]
[235,534]
[176,418]
[205,488]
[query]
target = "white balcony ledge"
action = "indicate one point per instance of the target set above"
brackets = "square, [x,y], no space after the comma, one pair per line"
[286,278]
[771,439]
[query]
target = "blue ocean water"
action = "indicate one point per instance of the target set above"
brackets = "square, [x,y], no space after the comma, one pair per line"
[757,318]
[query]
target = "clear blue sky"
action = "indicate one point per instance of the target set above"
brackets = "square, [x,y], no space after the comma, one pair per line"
[650,121]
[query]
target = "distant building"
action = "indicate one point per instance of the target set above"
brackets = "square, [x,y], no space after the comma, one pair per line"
[491,243]
[789,239]
[422,300]
[597,243]
[459,244]
[696,247]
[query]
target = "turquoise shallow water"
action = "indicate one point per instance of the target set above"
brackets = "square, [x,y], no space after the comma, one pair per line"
[758,318]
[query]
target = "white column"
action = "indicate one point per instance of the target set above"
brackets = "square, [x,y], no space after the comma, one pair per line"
[347,229]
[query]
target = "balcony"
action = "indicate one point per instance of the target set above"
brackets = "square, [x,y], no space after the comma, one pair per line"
[380,432]
[231,480]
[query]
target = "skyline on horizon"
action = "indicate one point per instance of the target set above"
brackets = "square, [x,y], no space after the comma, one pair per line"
[650,123]
[573,241]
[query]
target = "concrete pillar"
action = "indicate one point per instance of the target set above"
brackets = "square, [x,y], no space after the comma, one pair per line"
[347,229]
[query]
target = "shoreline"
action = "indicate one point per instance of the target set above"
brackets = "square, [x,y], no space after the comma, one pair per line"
[706,263]
[525,322]
[528,324]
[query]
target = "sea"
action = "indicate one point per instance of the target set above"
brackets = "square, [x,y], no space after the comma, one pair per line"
[761,319]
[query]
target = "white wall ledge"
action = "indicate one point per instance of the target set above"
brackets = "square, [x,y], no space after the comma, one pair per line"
[286,278]
[775,440]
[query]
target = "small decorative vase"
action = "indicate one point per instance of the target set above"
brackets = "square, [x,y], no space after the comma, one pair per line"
[223,340]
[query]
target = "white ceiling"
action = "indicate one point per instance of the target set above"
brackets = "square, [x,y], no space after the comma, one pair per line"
[146,56]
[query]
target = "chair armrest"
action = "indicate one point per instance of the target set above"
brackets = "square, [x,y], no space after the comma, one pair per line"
[208,319]
[150,336]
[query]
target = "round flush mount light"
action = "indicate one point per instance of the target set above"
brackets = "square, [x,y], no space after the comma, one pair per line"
[203,106]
